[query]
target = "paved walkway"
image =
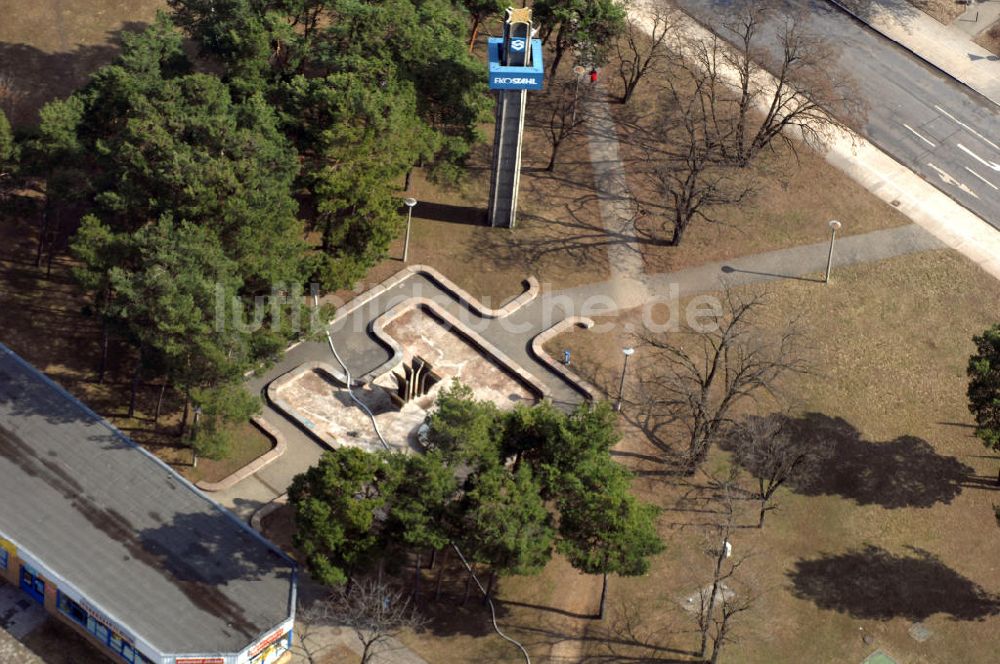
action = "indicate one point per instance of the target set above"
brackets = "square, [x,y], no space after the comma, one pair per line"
[12,652]
[947,47]
[978,17]
[512,335]
[615,199]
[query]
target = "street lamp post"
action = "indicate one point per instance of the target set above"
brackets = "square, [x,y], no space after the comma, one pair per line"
[621,386]
[410,202]
[834,227]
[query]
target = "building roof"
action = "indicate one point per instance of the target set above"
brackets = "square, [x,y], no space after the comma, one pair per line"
[136,539]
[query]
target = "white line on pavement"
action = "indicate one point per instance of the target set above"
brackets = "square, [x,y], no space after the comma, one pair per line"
[989,164]
[959,122]
[947,179]
[980,177]
[917,134]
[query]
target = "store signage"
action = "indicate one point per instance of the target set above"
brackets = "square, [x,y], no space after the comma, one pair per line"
[274,637]
[115,628]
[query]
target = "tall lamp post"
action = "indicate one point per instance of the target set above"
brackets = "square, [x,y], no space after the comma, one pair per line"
[834,227]
[410,202]
[621,386]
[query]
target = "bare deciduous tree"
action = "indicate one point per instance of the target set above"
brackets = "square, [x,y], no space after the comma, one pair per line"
[722,623]
[640,51]
[719,602]
[773,457]
[375,611]
[697,377]
[566,117]
[801,98]
[684,158]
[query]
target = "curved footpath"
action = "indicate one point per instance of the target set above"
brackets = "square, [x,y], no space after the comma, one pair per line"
[514,333]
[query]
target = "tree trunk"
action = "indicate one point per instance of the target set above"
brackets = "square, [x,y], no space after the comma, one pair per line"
[187,406]
[763,509]
[675,241]
[406,182]
[475,32]
[710,609]
[366,652]
[105,341]
[719,640]
[629,90]
[604,597]
[440,576]
[416,576]
[159,404]
[135,386]
[489,587]
[434,557]
[552,157]
[41,237]
[557,52]
[56,233]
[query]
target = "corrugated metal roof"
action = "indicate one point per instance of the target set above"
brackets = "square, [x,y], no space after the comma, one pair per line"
[125,530]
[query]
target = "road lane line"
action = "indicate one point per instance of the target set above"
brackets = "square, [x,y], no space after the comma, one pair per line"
[917,134]
[947,179]
[988,164]
[980,177]
[960,123]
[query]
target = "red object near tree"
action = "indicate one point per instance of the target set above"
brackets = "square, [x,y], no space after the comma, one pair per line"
[593,76]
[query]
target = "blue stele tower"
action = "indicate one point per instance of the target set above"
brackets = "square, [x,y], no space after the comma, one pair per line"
[515,67]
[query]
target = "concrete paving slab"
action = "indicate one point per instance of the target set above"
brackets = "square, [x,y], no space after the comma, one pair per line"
[19,614]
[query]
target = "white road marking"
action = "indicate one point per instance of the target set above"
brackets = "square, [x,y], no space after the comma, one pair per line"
[981,177]
[959,122]
[947,179]
[917,134]
[989,164]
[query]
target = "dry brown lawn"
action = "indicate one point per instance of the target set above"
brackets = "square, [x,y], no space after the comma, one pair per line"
[990,38]
[49,48]
[944,11]
[898,529]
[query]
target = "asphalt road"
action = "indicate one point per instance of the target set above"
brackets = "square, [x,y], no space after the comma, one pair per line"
[925,120]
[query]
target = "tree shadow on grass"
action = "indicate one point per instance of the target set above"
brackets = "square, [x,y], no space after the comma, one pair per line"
[31,77]
[904,472]
[450,616]
[875,584]
[455,214]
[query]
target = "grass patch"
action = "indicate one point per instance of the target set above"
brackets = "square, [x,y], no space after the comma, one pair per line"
[248,443]
[901,529]
[990,38]
[47,50]
[945,11]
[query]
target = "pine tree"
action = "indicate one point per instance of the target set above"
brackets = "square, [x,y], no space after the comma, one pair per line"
[603,529]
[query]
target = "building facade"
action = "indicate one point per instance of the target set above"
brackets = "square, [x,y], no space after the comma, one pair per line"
[117,545]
